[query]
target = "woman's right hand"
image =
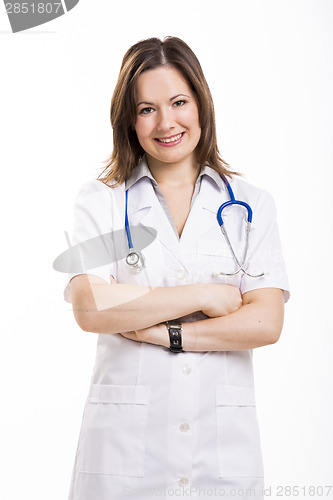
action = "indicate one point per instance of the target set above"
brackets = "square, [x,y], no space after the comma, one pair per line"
[220,300]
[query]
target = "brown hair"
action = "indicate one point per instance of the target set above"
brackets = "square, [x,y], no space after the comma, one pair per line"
[142,56]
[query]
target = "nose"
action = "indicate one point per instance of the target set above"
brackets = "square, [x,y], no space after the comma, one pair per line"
[165,119]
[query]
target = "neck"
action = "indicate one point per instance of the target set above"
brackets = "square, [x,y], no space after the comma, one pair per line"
[174,174]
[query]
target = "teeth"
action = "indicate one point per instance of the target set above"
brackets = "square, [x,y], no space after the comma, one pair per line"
[173,139]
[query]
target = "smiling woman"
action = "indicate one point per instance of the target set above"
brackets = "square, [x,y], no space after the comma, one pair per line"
[168,121]
[171,406]
[176,57]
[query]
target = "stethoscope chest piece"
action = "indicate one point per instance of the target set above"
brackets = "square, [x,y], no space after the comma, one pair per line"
[135,261]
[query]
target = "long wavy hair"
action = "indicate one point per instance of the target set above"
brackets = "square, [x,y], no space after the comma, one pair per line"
[143,56]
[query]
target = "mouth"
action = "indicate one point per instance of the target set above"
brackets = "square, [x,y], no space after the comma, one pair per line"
[170,141]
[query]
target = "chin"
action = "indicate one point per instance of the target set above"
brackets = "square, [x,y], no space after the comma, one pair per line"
[171,156]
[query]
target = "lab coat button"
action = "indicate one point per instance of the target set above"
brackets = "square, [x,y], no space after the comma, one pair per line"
[187,369]
[185,427]
[183,481]
[180,275]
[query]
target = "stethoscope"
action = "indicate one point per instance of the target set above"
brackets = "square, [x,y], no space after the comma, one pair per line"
[233,201]
[136,262]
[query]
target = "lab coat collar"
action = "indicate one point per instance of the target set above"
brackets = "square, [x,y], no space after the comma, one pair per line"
[141,180]
[202,217]
[145,209]
[142,171]
[215,176]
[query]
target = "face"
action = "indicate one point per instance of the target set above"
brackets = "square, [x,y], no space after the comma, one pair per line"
[167,124]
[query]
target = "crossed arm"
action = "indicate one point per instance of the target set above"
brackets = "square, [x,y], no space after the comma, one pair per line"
[137,312]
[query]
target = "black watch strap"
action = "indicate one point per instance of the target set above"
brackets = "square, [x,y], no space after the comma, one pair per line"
[175,335]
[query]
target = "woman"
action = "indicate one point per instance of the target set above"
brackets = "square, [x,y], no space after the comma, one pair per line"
[171,407]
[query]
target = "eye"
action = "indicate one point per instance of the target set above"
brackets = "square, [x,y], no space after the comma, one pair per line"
[145,111]
[179,103]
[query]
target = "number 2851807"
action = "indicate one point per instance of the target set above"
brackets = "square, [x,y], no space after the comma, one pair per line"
[32,8]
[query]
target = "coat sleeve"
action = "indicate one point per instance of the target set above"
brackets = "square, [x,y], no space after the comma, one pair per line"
[265,253]
[91,250]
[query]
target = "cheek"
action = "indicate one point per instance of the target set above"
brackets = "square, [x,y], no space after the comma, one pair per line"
[195,126]
[143,128]
[192,119]
[196,119]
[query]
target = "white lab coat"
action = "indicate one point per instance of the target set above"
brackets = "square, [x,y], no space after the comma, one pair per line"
[158,424]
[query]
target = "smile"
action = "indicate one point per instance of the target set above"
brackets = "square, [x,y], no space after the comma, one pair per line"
[172,141]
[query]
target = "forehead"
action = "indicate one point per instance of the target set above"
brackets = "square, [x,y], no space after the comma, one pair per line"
[161,82]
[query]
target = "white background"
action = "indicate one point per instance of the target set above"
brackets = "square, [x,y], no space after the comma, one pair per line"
[269,65]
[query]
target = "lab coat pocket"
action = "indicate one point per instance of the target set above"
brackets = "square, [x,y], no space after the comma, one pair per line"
[214,257]
[217,248]
[238,438]
[113,434]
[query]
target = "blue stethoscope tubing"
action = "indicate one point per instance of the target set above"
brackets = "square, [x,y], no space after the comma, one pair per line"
[135,258]
[233,201]
[128,232]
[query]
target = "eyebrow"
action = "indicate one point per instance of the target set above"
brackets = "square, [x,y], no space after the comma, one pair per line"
[171,99]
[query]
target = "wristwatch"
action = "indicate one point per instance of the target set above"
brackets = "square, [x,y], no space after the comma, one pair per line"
[175,334]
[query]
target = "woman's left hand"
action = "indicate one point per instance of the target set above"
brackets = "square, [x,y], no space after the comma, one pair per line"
[157,334]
